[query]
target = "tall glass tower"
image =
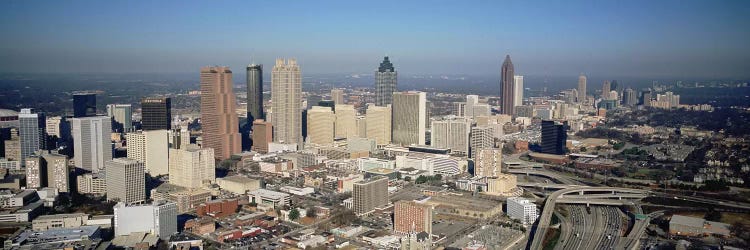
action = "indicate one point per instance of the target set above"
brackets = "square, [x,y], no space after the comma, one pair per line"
[507,93]
[385,83]
[254,92]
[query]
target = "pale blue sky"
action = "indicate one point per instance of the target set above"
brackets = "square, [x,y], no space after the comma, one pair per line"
[601,38]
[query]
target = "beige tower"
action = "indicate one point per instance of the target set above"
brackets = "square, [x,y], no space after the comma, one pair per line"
[192,167]
[370,194]
[126,180]
[152,148]
[337,95]
[262,135]
[378,124]
[320,125]
[409,118]
[452,133]
[412,216]
[286,100]
[346,121]
[218,116]
[489,162]
[582,88]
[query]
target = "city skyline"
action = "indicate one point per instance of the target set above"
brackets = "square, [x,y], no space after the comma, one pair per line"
[638,38]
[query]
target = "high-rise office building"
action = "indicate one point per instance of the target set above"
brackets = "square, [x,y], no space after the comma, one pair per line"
[481,138]
[286,96]
[386,79]
[13,146]
[91,142]
[255,92]
[646,98]
[192,167]
[126,181]
[370,194]
[158,218]
[488,162]
[122,117]
[320,125]
[378,124]
[178,138]
[346,121]
[31,132]
[58,175]
[36,171]
[84,105]
[582,88]
[151,148]
[337,95]
[554,137]
[409,118]
[218,116]
[412,217]
[452,133]
[54,126]
[628,97]
[156,113]
[518,88]
[262,135]
[522,209]
[507,92]
[605,89]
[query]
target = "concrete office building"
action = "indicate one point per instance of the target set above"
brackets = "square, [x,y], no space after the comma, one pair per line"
[286,96]
[255,92]
[378,124]
[95,184]
[159,218]
[45,169]
[320,125]
[581,88]
[265,197]
[629,98]
[36,172]
[54,126]
[522,209]
[481,138]
[126,181]
[346,121]
[122,117]
[452,133]
[488,162]
[151,148]
[262,135]
[31,132]
[156,113]
[412,216]
[605,89]
[218,117]
[91,142]
[191,167]
[178,137]
[518,89]
[337,96]
[386,79]
[84,105]
[507,92]
[13,146]
[409,118]
[370,194]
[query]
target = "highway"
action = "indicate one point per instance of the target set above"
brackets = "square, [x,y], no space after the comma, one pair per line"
[600,229]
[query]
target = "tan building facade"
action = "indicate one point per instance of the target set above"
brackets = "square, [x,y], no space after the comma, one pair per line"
[218,117]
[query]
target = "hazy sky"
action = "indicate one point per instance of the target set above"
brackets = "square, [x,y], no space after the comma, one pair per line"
[601,38]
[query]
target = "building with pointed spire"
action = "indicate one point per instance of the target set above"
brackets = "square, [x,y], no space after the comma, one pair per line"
[385,83]
[507,92]
[286,97]
[582,88]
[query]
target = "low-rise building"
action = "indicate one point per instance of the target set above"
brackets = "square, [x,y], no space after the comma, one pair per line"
[692,226]
[238,184]
[269,198]
[187,199]
[46,222]
[522,209]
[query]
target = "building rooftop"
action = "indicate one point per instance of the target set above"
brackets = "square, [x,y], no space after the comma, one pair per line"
[687,221]
[268,193]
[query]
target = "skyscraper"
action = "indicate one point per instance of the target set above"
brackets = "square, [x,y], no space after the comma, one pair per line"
[370,194]
[262,135]
[91,142]
[452,133]
[554,137]
[151,148]
[191,166]
[255,92]
[122,117]
[84,105]
[412,217]
[488,162]
[36,171]
[31,132]
[386,79]
[286,96]
[581,88]
[409,113]
[337,95]
[156,113]
[378,124]
[628,97]
[320,125]
[506,87]
[346,121]
[126,181]
[218,117]
[605,89]
[518,88]
[481,138]
[45,169]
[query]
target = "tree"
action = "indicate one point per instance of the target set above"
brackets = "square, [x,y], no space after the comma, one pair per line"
[398,175]
[311,212]
[712,215]
[294,214]
[407,178]
[421,179]
[583,149]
